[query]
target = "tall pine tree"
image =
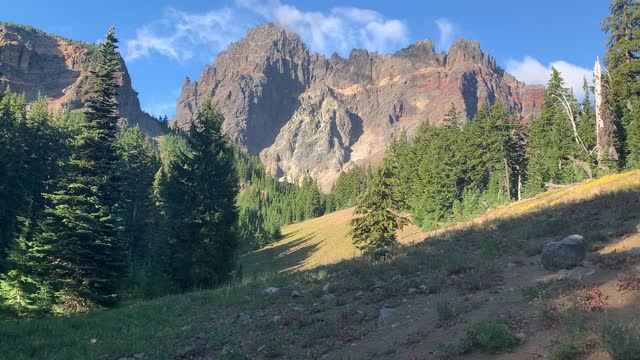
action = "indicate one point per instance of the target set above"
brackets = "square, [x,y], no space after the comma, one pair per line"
[138,165]
[553,149]
[201,188]
[79,245]
[378,211]
[623,63]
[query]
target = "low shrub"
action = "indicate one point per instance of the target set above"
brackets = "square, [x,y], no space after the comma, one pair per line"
[622,341]
[568,350]
[446,311]
[453,349]
[493,336]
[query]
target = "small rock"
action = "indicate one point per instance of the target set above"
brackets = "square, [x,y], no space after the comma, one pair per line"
[375,286]
[413,290]
[93,341]
[269,291]
[139,355]
[276,318]
[423,288]
[511,265]
[295,294]
[384,316]
[360,294]
[328,298]
[397,278]
[244,317]
[564,254]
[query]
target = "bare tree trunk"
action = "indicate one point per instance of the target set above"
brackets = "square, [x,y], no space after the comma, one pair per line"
[604,124]
[507,177]
[572,119]
[519,187]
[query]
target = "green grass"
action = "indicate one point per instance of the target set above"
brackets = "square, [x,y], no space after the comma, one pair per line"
[156,328]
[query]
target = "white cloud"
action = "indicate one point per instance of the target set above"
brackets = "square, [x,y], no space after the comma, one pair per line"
[447,31]
[339,30]
[177,34]
[532,71]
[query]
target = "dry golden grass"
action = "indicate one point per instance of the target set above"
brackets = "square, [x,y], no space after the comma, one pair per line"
[317,242]
[325,240]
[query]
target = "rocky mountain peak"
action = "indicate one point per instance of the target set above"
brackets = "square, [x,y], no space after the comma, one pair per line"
[464,51]
[305,114]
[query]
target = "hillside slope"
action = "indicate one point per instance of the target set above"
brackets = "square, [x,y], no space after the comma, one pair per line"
[317,242]
[422,304]
[325,240]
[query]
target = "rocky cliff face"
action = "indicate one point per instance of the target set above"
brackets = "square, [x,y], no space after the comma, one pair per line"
[304,113]
[36,63]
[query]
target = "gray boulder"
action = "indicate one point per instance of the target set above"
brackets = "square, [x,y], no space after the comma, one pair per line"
[564,254]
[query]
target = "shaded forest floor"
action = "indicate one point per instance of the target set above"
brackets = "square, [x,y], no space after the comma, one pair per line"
[311,295]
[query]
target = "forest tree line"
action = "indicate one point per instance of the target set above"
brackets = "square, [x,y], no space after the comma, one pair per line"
[459,170]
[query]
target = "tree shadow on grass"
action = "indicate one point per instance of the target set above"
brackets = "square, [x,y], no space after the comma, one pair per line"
[605,217]
[284,257]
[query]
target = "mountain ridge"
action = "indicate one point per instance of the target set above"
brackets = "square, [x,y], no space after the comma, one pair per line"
[34,62]
[305,114]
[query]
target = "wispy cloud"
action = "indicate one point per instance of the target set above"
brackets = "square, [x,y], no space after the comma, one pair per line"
[178,33]
[447,31]
[532,71]
[339,30]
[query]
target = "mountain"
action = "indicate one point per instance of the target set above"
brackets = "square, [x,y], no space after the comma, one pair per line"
[33,62]
[303,113]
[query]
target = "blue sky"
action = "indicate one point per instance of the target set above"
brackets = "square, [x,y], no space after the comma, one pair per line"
[165,41]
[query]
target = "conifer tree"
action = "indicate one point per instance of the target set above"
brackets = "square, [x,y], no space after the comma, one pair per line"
[201,189]
[452,116]
[138,165]
[378,212]
[623,64]
[348,187]
[13,162]
[20,287]
[553,149]
[79,243]
[587,123]
[436,179]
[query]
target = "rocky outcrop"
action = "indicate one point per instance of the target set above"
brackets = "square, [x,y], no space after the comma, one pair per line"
[564,254]
[33,62]
[305,114]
